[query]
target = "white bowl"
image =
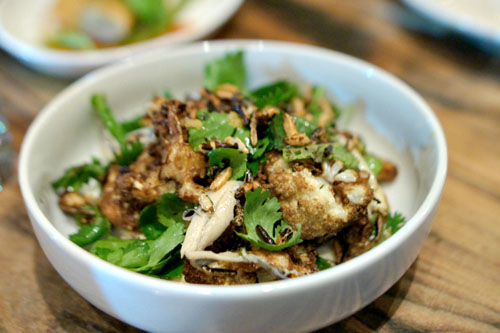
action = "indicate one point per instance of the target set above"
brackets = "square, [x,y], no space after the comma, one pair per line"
[25,25]
[66,133]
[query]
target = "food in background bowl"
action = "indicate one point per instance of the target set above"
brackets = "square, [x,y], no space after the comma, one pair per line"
[231,186]
[90,24]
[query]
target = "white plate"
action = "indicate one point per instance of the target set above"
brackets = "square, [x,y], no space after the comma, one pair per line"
[477,19]
[24,26]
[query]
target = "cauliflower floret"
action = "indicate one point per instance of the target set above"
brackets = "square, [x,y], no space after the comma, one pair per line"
[323,209]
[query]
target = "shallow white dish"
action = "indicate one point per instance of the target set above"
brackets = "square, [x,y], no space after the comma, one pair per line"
[25,24]
[66,133]
[477,19]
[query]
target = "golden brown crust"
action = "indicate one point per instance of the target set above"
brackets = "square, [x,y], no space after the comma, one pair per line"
[312,202]
[388,173]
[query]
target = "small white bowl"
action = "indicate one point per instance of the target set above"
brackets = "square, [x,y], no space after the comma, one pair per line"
[406,130]
[25,25]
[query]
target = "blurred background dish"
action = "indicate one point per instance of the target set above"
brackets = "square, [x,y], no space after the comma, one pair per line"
[68,38]
[478,20]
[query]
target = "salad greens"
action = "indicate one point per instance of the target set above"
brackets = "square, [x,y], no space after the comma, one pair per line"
[215,125]
[228,69]
[274,94]
[263,223]
[394,222]
[75,177]
[164,228]
[89,233]
[129,151]
[236,159]
[320,152]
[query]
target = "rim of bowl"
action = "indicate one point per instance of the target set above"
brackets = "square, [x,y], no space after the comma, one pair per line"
[229,292]
[35,53]
[469,26]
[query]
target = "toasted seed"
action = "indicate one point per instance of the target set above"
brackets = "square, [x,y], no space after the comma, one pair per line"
[264,235]
[221,179]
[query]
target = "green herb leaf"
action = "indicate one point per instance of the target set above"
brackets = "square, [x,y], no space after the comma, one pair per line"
[342,154]
[89,233]
[394,222]
[132,125]
[214,125]
[319,152]
[228,69]
[276,132]
[261,211]
[274,94]
[129,151]
[170,209]
[149,12]
[236,159]
[72,40]
[75,177]
[144,256]
[155,219]
[374,163]
[102,109]
[322,263]
[314,108]
[304,126]
[313,152]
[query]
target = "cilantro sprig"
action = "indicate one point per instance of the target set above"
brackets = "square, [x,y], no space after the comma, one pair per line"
[320,152]
[228,69]
[158,254]
[214,125]
[75,177]
[96,229]
[394,222]
[129,151]
[263,222]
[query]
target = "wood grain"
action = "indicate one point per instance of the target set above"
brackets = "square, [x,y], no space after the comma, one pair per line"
[454,285]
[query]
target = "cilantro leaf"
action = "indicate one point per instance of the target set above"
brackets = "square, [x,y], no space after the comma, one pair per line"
[72,40]
[89,233]
[156,218]
[132,125]
[274,94]
[227,69]
[237,160]
[101,108]
[214,125]
[318,94]
[75,177]
[170,209]
[320,152]
[148,12]
[322,263]
[276,132]
[260,211]
[164,229]
[374,163]
[394,222]
[129,151]
[304,126]
[342,154]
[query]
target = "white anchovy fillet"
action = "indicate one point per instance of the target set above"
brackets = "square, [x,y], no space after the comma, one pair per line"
[206,227]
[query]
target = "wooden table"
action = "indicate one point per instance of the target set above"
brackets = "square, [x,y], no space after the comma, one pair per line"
[455,282]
